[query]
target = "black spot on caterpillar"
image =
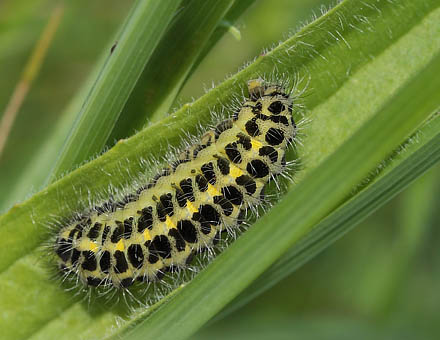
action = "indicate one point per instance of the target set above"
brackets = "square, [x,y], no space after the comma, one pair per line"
[184,208]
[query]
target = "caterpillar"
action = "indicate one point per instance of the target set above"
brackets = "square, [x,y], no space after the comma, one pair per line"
[188,204]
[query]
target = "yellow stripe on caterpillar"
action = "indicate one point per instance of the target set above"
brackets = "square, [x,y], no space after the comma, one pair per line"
[147,235]
[213,191]
[191,207]
[256,145]
[169,223]
[235,171]
[120,245]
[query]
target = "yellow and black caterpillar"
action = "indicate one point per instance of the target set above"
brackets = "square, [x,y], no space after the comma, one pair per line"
[185,207]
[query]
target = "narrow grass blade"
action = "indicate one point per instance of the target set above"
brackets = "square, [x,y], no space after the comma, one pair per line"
[156,90]
[237,9]
[137,40]
[29,73]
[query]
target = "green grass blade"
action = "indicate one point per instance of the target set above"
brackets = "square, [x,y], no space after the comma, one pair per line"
[420,153]
[295,216]
[35,174]
[237,9]
[322,327]
[137,40]
[14,40]
[45,151]
[156,89]
[350,79]
[417,205]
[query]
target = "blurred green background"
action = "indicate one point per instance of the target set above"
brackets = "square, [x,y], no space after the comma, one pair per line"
[379,282]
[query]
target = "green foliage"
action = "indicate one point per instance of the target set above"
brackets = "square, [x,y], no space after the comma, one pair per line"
[370,73]
[134,45]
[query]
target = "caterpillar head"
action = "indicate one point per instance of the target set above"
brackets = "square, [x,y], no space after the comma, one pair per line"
[267,115]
